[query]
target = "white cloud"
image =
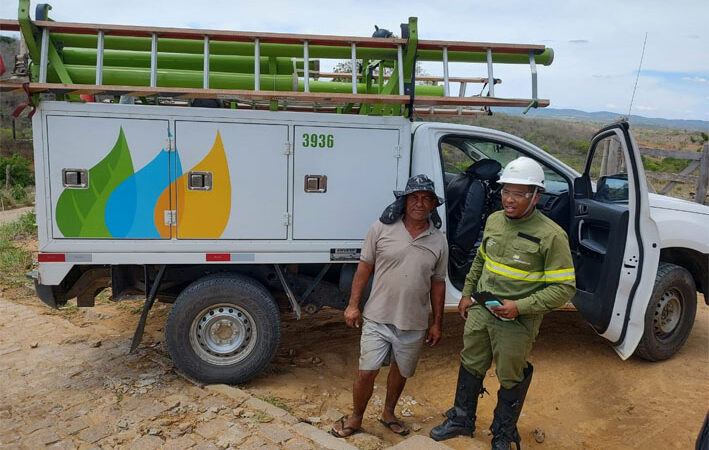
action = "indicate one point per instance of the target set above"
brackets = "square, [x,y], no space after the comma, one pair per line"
[696,79]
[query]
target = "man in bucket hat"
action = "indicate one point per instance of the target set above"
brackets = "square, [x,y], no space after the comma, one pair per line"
[409,256]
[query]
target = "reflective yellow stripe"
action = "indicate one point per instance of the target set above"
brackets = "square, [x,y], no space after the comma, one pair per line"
[517,274]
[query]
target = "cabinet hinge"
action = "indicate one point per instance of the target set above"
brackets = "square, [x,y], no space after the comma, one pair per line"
[170,217]
[397,151]
[287,217]
[170,144]
[287,148]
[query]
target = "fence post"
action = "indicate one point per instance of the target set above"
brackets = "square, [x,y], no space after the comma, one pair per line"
[703,178]
[7,176]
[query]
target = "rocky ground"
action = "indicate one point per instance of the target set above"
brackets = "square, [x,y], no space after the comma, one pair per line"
[67,381]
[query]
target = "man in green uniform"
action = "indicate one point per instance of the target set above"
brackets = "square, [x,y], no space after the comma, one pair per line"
[524,262]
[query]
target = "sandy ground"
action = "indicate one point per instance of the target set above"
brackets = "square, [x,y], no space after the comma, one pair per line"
[583,396]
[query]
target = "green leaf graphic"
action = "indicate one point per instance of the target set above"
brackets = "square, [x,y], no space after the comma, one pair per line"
[80,212]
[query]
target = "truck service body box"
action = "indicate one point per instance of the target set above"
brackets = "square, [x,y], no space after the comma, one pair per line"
[138,185]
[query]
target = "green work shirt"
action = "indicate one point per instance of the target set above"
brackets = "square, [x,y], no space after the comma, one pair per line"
[527,260]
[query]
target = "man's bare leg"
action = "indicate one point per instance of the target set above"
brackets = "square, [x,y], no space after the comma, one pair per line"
[395,385]
[361,393]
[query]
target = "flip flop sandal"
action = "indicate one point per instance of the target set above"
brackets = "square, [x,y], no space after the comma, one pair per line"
[403,432]
[334,432]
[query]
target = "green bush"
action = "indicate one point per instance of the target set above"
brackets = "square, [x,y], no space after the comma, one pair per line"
[15,261]
[20,172]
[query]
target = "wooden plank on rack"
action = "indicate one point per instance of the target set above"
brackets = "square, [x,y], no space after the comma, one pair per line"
[9,25]
[324,98]
[280,38]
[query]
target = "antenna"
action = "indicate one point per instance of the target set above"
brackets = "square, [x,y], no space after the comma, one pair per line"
[642,55]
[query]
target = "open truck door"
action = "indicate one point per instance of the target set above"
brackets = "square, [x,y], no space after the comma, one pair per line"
[615,243]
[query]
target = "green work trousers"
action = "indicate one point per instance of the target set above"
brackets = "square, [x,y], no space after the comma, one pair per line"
[508,343]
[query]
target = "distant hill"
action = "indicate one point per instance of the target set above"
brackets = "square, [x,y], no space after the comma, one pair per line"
[608,117]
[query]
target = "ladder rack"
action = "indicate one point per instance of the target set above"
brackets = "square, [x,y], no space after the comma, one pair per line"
[261,70]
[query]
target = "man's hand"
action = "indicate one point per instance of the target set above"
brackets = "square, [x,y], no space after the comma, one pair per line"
[433,335]
[353,318]
[465,303]
[508,310]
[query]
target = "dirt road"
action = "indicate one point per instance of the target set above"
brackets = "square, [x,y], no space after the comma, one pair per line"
[67,380]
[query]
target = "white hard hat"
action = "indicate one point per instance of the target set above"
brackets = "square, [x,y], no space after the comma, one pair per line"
[523,170]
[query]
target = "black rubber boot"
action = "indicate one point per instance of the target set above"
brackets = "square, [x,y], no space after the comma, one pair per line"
[509,407]
[461,417]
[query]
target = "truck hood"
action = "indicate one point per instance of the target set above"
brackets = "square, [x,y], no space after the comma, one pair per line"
[664,202]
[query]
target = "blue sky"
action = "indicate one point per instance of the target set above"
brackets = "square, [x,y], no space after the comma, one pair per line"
[597,44]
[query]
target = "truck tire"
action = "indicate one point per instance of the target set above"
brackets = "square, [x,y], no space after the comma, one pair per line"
[223,328]
[670,313]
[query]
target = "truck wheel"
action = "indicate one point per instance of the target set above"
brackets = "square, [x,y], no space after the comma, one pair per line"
[670,314]
[223,328]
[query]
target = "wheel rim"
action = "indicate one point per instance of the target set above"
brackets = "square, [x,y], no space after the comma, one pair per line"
[223,334]
[668,312]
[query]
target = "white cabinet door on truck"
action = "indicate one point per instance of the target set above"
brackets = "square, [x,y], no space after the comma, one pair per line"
[235,181]
[615,243]
[345,172]
[105,176]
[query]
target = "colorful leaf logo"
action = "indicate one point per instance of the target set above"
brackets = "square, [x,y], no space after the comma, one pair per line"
[80,212]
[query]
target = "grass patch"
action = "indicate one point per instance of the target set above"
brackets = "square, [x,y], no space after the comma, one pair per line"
[275,401]
[68,310]
[16,261]
[131,306]
[262,417]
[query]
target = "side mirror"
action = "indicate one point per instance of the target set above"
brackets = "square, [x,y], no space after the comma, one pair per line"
[582,187]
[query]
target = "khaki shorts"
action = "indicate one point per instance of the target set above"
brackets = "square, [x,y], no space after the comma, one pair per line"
[381,343]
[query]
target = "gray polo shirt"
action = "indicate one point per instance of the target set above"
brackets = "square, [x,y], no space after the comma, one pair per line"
[403,270]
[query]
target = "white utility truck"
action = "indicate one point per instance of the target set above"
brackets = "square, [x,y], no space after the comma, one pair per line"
[215,209]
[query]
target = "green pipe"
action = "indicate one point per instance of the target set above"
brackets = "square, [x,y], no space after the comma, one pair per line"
[545,58]
[285,50]
[119,76]
[185,61]
[219,47]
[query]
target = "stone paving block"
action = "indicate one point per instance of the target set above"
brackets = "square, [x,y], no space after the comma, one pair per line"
[232,437]
[236,394]
[76,425]
[41,438]
[257,443]
[151,411]
[209,430]
[205,446]
[322,438]
[146,443]
[181,443]
[275,433]
[298,444]
[66,444]
[271,410]
[421,442]
[95,433]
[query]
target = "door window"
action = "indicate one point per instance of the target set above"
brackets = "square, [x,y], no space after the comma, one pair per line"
[608,171]
[458,153]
